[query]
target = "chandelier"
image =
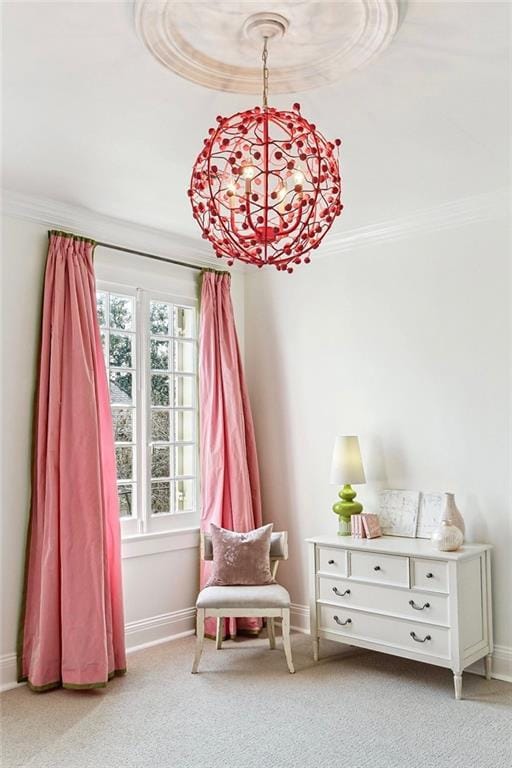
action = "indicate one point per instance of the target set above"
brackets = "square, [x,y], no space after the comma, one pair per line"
[266,187]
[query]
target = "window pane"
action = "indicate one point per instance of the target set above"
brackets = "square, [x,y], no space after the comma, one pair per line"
[160,462]
[123,424]
[120,350]
[121,388]
[184,356]
[159,355]
[104,346]
[126,497]
[160,426]
[160,390]
[185,426]
[184,321]
[184,495]
[184,391]
[160,498]
[121,312]
[185,459]
[101,308]
[159,318]
[124,459]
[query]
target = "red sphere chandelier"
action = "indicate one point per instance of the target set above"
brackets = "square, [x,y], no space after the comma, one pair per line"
[266,187]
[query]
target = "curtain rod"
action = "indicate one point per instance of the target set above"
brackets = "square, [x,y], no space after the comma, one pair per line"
[149,256]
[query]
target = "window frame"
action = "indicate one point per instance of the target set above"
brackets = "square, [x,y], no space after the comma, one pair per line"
[144,523]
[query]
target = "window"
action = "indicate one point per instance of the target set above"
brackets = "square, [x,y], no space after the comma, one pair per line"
[150,346]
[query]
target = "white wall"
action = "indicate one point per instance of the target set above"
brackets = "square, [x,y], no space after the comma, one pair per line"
[22,279]
[406,344]
[160,588]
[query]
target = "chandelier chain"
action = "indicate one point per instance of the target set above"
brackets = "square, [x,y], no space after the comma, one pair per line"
[264,57]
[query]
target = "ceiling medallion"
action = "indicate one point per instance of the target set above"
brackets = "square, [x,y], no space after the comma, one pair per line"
[266,187]
[324,40]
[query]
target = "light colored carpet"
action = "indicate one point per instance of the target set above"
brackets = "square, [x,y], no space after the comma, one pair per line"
[244,709]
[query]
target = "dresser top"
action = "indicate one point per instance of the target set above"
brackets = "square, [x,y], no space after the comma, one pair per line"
[397,545]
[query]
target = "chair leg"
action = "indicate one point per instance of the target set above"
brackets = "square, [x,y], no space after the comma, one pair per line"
[271,633]
[200,639]
[286,640]
[218,637]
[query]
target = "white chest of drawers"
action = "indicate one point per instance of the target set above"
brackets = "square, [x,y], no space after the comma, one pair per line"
[403,597]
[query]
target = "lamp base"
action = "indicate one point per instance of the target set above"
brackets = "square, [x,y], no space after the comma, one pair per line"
[345,508]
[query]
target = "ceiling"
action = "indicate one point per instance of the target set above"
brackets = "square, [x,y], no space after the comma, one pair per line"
[90,118]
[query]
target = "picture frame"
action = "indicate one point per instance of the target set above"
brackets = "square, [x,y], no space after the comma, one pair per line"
[431,508]
[398,512]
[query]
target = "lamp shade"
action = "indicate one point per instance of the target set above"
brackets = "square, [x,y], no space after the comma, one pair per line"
[347,464]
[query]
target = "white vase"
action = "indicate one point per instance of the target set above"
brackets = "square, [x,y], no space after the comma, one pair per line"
[447,537]
[452,515]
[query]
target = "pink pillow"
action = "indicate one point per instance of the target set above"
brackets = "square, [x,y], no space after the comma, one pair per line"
[241,558]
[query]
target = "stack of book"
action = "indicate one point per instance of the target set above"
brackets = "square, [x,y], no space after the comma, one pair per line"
[365,526]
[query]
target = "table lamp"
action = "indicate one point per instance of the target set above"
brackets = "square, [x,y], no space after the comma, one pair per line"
[346,468]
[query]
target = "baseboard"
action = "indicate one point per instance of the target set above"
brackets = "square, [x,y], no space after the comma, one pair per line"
[159,629]
[176,624]
[501,664]
[8,672]
[139,634]
[299,618]
[501,657]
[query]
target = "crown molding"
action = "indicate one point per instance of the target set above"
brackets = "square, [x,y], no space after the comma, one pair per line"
[98,226]
[487,206]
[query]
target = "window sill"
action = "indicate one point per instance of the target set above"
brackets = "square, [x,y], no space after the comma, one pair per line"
[144,544]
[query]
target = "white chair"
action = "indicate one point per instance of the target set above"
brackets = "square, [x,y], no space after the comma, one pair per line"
[269,600]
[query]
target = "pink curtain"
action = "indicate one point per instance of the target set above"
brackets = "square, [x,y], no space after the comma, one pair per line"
[72,628]
[230,484]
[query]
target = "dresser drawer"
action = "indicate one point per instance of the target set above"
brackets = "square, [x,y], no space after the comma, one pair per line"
[429,574]
[372,597]
[330,560]
[396,633]
[380,569]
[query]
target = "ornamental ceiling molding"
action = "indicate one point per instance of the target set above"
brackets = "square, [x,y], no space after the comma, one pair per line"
[487,206]
[98,226]
[212,44]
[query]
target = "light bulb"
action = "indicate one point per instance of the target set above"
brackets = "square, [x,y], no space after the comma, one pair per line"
[231,193]
[298,177]
[248,171]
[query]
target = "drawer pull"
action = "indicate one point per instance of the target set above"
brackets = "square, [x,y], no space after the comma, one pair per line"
[342,623]
[330,562]
[418,639]
[340,594]
[418,607]
[376,568]
[430,575]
